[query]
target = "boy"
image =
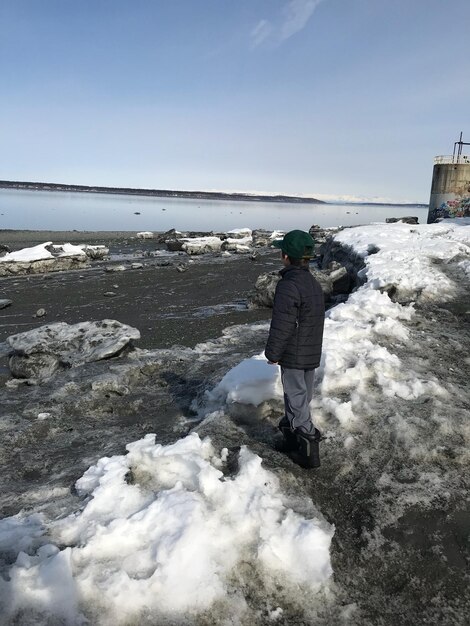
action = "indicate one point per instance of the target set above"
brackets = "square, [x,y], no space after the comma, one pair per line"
[295,342]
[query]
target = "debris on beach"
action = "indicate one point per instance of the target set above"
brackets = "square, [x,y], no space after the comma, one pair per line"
[50,257]
[238,241]
[201,245]
[115,268]
[38,353]
[45,257]
[97,252]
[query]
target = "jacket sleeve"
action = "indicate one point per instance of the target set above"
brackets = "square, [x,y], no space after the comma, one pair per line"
[285,314]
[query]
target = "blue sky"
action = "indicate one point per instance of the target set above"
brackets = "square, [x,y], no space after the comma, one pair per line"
[318,97]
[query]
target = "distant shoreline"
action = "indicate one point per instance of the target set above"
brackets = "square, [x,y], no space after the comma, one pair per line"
[157,193]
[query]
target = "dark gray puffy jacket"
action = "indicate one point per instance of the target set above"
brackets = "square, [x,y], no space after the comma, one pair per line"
[296,333]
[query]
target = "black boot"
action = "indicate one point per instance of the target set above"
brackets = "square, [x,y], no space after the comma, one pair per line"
[289,442]
[309,450]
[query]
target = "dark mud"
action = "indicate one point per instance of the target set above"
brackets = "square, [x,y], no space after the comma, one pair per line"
[167,306]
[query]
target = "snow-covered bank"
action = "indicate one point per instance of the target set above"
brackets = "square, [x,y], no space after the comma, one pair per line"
[405,259]
[392,398]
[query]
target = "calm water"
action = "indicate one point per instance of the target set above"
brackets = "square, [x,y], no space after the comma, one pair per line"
[42,210]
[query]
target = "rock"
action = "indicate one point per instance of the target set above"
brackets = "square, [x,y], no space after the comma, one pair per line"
[324,279]
[182,267]
[37,366]
[13,268]
[96,252]
[263,238]
[115,268]
[169,235]
[332,283]
[265,286]
[174,245]
[405,220]
[110,294]
[201,245]
[146,234]
[44,416]
[109,384]
[340,281]
[40,313]
[137,266]
[4,303]
[40,352]
[44,257]
[243,249]
[239,233]
[333,252]
[199,234]
[4,249]
[239,245]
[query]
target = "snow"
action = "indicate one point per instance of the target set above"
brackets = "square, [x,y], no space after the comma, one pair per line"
[408,256]
[145,234]
[41,253]
[252,381]
[165,542]
[26,255]
[363,336]
[241,241]
[240,233]
[68,249]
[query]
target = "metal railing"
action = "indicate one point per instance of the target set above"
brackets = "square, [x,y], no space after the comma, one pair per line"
[456,160]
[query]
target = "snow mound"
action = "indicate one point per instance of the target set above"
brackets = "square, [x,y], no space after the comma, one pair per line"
[252,381]
[407,257]
[160,533]
[43,252]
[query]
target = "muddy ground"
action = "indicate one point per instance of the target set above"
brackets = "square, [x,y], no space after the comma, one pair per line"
[167,306]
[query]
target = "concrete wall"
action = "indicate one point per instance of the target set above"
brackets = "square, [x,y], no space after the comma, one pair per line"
[450,191]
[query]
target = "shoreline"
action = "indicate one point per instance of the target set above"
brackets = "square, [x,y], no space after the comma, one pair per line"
[157,193]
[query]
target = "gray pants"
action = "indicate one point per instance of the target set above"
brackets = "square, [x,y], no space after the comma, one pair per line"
[298,391]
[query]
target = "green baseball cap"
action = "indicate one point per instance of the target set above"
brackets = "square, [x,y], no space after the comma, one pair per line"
[297,244]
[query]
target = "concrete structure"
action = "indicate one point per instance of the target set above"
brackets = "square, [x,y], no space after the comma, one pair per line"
[450,189]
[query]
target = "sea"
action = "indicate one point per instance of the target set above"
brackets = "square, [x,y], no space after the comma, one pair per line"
[44,210]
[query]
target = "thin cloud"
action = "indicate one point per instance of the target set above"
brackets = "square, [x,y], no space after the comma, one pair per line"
[261,32]
[296,15]
[293,17]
